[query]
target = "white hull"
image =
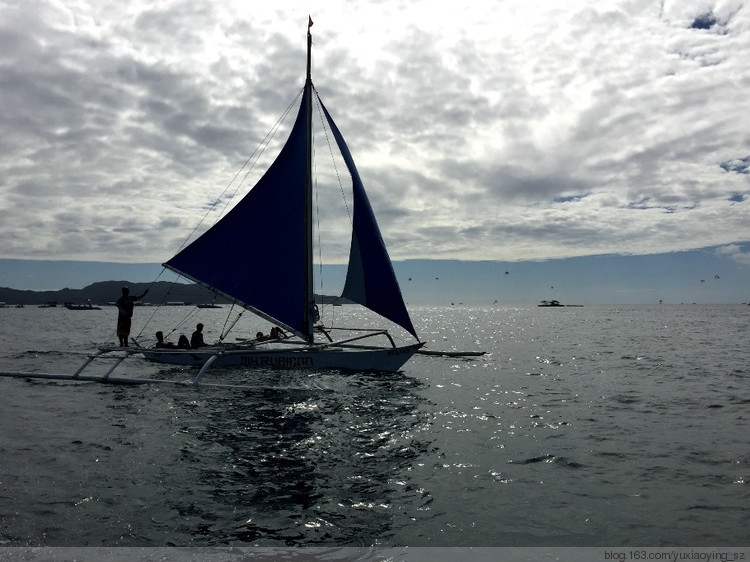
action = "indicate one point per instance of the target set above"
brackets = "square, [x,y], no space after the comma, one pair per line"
[385,359]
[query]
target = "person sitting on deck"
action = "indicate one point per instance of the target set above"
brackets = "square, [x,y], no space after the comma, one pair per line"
[259,336]
[196,339]
[160,341]
[183,342]
[277,333]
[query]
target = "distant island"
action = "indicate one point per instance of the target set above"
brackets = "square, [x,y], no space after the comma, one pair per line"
[106,292]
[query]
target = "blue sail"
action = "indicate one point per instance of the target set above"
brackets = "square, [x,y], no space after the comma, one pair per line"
[370,279]
[256,253]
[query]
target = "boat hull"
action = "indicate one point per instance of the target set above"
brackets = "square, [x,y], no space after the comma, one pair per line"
[384,360]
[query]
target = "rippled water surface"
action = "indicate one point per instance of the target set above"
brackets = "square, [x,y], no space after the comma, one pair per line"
[581,426]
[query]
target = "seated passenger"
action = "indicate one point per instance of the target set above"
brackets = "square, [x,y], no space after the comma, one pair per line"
[160,341]
[183,342]
[277,333]
[196,339]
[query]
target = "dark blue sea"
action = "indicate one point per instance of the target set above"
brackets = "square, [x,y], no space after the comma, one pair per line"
[593,426]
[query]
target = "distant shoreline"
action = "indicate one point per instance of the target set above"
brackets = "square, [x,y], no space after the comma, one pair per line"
[105,293]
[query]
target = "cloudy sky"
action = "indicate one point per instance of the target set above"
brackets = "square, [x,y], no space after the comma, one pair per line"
[507,130]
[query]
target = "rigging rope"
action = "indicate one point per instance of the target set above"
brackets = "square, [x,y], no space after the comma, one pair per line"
[326,130]
[225,331]
[330,151]
[254,158]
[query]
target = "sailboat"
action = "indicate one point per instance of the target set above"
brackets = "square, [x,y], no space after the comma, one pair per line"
[275,279]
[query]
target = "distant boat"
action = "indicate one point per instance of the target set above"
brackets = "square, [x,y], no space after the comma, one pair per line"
[87,306]
[557,303]
[212,304]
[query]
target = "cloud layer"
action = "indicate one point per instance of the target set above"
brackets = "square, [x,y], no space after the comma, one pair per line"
[510,131]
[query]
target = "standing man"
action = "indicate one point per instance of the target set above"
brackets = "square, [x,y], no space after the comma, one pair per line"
[125,313]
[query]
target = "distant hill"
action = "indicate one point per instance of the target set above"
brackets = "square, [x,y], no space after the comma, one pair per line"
[103,292]
[109,291]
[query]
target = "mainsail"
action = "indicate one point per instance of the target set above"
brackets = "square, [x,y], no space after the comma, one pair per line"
[259,254]
[256,253]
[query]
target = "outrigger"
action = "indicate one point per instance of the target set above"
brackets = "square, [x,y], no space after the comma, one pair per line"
[250,354]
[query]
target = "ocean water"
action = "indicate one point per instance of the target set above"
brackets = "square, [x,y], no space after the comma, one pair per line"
[593,426]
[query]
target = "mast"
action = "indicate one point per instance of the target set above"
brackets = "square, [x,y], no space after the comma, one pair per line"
[309,315]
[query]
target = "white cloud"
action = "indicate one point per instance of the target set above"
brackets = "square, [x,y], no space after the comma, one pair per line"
[734,252]
[508,131]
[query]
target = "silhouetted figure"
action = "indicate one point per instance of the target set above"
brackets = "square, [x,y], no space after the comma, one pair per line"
[160,341]
[125,312]
[196,340]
